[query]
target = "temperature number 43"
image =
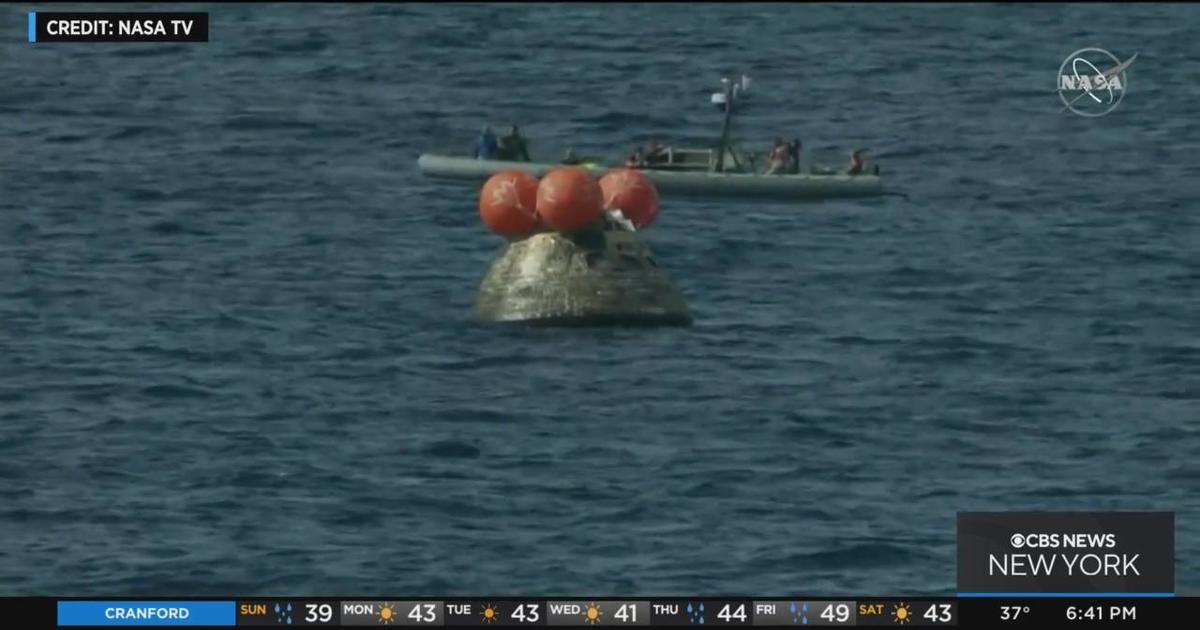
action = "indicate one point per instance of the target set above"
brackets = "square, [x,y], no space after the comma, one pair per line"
[526,613]
[938,613]
[423,613]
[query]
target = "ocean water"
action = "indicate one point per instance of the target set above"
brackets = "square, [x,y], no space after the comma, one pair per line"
[236,353]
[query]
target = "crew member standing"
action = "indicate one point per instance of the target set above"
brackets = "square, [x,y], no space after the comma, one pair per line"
[486,146]
[513,147]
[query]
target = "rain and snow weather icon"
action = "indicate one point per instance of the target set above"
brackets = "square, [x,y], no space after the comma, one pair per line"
[283,614]
[799,615]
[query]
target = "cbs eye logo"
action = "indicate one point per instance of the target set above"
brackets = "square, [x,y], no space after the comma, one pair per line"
[1033,540]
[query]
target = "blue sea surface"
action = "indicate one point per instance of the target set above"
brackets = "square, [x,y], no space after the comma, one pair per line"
[236,353]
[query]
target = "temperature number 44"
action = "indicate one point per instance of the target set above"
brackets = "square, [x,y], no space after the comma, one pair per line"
[1011,613]
[728,617]
[938,613]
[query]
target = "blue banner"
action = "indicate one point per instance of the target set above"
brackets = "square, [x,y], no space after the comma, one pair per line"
[146,613]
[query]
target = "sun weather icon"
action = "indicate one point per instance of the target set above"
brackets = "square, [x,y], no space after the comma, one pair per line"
[387,613]
[283,614]
[901,614]
[489,613]
[799,615]
[695,613]
[592,615]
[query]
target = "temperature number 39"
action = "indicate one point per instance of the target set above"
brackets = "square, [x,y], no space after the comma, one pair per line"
[318,613]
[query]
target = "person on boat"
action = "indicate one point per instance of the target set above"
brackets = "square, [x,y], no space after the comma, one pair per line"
[778,158]
[795,154]
[571,158]
[513,146]
[656,153]
[636,159]
[486,147]
[856,163]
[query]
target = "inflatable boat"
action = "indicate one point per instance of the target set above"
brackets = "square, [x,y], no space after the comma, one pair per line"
[722,171]
[675,182]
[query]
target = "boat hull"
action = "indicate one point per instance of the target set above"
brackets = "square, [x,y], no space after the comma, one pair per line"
[675,183]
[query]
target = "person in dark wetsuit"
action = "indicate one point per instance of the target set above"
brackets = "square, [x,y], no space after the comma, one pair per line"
[513,146]
[795,155]
[486,147]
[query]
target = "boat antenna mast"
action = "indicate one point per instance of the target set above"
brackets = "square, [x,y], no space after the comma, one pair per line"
[731,92]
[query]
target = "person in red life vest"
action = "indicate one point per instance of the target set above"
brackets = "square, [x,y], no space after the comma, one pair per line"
[856,163]
[778,158]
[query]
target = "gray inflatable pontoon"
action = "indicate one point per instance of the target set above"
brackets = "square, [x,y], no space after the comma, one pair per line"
[676,183]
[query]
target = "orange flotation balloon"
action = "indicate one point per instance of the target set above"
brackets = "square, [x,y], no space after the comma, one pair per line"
[633,194]
[568,199]
[508,203]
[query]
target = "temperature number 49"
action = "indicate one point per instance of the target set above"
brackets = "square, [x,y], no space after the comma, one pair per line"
[728,617]
[836,613]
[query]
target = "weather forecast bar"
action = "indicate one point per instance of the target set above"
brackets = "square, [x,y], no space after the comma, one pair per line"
[577,612]
[1069,595]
